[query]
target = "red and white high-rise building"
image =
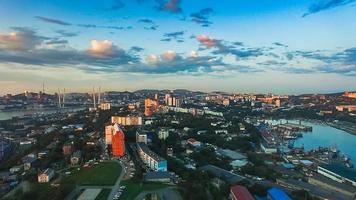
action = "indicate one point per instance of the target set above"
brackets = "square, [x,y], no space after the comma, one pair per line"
[118,142]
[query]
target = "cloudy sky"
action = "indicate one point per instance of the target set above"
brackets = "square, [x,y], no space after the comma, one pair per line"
[294,46]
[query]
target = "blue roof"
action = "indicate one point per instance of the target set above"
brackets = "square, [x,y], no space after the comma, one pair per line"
[278,194]
[288,165]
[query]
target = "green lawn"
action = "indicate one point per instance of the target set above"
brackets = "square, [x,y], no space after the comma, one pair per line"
[103,195]
[134,188]
[102,174]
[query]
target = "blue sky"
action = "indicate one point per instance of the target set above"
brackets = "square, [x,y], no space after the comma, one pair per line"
[278,46]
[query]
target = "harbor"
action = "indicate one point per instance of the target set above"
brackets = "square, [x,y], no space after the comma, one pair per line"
[318,136]
[6,115]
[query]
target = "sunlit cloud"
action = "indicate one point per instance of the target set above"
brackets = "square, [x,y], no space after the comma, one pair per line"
[169,55]
[152,59]
[207,41]
[193,54]
[20,39]
[103,48]
[172,6]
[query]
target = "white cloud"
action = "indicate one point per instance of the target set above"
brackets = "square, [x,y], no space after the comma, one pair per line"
[152,59]
[169,55]
[102,48]
[207,41]
[193,54]
[20,39]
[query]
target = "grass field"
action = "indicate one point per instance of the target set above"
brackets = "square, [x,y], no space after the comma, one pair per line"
[103,195]
[134,188]
[102,174]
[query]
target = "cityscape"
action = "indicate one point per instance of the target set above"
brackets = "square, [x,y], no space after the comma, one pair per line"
[177,100]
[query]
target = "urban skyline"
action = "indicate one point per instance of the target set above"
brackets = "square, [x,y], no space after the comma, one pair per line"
[177,99]
[281,47]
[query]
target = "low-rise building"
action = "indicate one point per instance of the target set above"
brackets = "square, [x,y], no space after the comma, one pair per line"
[350,95]
[349,108]
[150,158]
[221,131]
[226,102]
[15,169]
[141,136]
[75,158]
[268,148]
[333,186]
[193,142]
[28,162]
[127,120]
[242,127]
[68,149]
[163,133]
[169,151]
[237,159]
[164,177]
[227,176]
[42,153]
[277,194]
[105,106]
[239,192]
[45,176]
[339,173]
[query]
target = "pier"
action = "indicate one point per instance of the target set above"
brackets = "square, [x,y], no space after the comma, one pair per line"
[294,127]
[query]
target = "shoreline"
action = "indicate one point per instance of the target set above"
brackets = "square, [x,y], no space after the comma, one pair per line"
[31,112]
[344,126]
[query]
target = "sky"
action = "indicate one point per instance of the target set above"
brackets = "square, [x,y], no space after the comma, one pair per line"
[269,46]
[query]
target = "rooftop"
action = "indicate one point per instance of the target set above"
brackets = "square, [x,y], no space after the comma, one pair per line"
[222,174]
[148,151]
[348,173]
[77,154]
[232,154]
[47,171]
[278,194]
[157,175]
[241,193]
[336,184]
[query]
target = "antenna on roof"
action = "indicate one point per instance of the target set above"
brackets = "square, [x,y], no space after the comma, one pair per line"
[94,97]
[99,99]
[59,98]
[64,96]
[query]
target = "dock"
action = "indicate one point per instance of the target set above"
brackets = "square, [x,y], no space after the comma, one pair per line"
[294,127]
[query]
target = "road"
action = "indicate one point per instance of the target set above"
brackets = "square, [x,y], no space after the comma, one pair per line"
[113,188]
[116,187]
[24,186]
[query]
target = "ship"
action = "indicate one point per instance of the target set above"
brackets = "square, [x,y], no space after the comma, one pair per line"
[335,156]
